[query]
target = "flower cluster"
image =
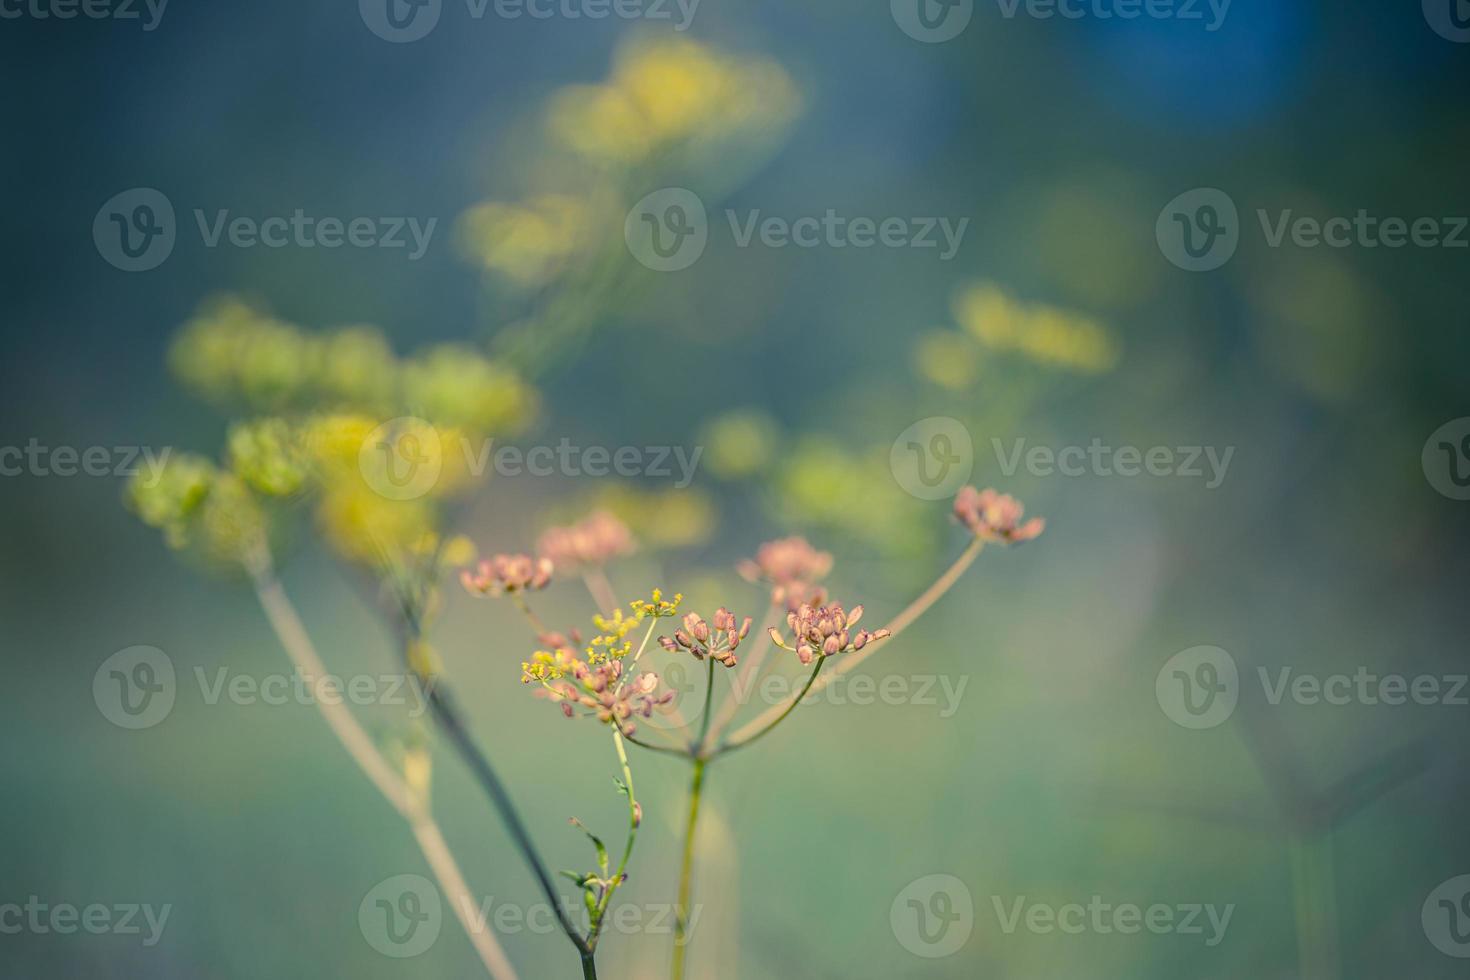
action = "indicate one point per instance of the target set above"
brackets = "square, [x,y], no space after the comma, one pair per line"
[600,689]
[596,540]
[995,516]
[657,606]
[719,642]
[825,630]
[792,567]
[507,574]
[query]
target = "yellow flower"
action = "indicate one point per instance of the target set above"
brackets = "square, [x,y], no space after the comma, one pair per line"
[656,605]
[457,387]
[1047,335]
[269,455]
[172,500]
[530,242]
[740,443]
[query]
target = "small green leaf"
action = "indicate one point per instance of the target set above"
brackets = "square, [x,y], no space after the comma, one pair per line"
[597,843]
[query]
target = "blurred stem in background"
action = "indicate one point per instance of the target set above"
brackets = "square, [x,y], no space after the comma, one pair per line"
[708,746]
[1314,882]
[410,803]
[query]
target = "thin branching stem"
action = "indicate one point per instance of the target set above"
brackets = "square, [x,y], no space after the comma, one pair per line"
[294,639]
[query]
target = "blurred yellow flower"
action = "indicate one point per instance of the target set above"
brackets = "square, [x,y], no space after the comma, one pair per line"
[457,387]
[231,352]
[671,91]
[947,358]
[1044,334]
[171,501]
[357,370]
[269,455]
[739,443]
[528,243]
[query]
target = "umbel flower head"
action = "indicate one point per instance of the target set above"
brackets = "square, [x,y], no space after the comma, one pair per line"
[825,631]
[700,638]
[599,689]
[596,540]
[792,567]
[507,574]
[995,516]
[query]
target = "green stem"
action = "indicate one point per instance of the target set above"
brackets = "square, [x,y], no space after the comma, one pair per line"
[709,693]
[732,746]
[589,967]
[634,819]
[686,871]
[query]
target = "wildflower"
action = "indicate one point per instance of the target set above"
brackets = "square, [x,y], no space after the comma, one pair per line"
[994,516]
[612,643]
[825,630]
[792,567]
[657,606]
[549,665]
[456,387]
[698,637]
[507,574]
[269,455]
[600,690]
[173,500]
[596,540]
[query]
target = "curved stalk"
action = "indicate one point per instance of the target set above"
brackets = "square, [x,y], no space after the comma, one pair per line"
[453,725]
[732,745]
[292,635]
[900,622]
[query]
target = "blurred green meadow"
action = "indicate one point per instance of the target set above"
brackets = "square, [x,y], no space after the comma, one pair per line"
[1252,448]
